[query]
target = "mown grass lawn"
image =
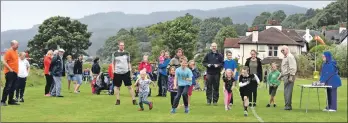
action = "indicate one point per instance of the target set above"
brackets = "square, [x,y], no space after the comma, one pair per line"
[86,107]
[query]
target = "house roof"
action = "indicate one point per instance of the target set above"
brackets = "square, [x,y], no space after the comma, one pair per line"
[270,36]
[330,34]
[231,42]
[311,32]
[341,37]
[294,36]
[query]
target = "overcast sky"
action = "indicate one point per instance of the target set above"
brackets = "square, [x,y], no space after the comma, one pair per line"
[25,14]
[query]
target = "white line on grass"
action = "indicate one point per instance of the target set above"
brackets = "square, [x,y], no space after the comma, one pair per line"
[253,110]
[257,116]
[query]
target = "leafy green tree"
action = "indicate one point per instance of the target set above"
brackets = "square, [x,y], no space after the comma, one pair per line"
[131,45]
[181,34]
[226,21]
[310,13]
[241,29]
[225,32]
[71,35]
[278,16]
[261,19]
[178,33]
[208,29]
[293,20]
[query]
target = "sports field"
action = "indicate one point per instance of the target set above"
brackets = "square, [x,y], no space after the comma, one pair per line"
[86,107]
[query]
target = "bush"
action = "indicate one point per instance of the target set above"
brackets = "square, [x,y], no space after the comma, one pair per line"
[305,66]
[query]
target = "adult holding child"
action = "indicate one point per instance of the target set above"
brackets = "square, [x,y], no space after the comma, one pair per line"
[329,75]
[163,76]
[255,67]
[213,61]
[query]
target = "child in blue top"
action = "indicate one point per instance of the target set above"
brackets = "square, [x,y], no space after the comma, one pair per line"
[183,78]
[230,64]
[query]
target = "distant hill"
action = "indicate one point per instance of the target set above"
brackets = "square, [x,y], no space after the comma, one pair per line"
[104,25]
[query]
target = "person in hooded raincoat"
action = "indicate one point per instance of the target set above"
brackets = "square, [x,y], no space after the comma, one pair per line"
[329,75]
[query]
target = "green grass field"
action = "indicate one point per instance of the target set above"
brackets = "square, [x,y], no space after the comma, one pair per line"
[86,107]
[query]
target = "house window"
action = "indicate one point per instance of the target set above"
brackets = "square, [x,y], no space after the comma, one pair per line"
[262,48]
[273,51]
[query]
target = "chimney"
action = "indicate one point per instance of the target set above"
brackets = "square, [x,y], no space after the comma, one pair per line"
[255,35]
[248,32]
[274,24]
[342,27]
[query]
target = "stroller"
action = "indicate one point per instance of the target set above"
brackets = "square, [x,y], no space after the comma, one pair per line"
[103,83]
[136,77]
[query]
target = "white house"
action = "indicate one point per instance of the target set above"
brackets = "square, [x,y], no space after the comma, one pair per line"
[268,43]
[231,44]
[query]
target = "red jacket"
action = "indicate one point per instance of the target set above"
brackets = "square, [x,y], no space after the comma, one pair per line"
[146,65]
[47,63]
[111,73]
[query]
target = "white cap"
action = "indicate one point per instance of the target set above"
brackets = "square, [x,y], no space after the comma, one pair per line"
[61,50]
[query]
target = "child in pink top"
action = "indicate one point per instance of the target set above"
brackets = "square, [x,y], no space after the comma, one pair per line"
[161,57]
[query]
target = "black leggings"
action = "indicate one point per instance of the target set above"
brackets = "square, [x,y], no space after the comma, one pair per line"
[49,80]
[172,97]
[254,95]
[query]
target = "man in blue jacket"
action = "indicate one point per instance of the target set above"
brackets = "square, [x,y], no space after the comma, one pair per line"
[163,76]
[57,70]
[214,62]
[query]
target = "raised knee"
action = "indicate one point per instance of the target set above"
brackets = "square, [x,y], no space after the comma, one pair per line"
[245,98]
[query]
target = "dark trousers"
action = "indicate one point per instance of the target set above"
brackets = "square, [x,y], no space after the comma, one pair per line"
[182,91]
[21,82]
[159,84]
[49,80]
[164,84]
[172,97]
[213,83]
[10,86]
[254,95]
[332,98]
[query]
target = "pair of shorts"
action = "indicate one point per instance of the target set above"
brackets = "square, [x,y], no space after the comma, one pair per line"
[273,90]
[190,89]
[78,78]
[245,92]
[70,77]
[118,78]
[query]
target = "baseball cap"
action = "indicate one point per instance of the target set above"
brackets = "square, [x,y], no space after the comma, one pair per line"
[61,50]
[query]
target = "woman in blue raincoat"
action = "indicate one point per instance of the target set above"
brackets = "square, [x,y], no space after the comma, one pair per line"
[329,76]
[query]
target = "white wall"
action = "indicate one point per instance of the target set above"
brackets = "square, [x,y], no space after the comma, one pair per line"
[296,50]
[304,48]
[235,53]
[344,42]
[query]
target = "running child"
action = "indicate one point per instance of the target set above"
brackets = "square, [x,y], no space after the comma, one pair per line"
[171,89]
[230,64]
[245,84]
[273,82]
[229,84]
[143,83]
[183,78]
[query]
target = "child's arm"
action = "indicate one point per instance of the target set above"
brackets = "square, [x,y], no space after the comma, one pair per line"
[136,82]
[257,79]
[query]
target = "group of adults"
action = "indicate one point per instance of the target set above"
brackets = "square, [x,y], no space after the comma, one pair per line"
[55,67]
[16,70]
